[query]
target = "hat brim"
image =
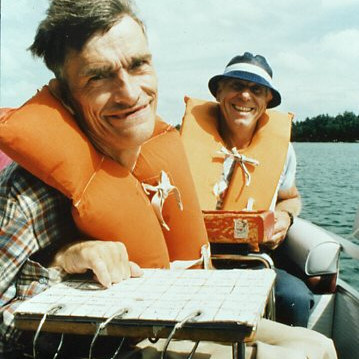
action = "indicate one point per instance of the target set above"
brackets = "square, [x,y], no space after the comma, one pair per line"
[247,76]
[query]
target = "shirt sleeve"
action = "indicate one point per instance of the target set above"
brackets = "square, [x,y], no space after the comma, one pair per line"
[35,220]
[18,243]
[287,179]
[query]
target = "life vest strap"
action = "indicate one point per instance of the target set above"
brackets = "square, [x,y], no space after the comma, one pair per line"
[203,262]
[161,192]
[231,157]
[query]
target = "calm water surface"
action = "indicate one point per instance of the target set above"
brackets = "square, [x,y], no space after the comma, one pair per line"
[328,181]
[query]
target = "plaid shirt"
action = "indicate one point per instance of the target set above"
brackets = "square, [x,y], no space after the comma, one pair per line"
[35,221]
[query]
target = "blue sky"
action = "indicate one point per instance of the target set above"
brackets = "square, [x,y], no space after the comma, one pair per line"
[312,46]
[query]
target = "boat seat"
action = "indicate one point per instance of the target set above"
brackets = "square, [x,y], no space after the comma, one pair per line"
[311,253]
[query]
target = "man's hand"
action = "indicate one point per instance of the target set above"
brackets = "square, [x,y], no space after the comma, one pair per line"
[288,201]
[108,261]
[281,226]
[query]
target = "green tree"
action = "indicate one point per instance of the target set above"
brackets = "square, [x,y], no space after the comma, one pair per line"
[324,128]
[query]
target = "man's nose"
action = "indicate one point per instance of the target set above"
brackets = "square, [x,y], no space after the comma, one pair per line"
[245,94]
[126,88]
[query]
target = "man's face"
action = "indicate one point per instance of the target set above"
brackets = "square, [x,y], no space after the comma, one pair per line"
[242,102]
[112,87]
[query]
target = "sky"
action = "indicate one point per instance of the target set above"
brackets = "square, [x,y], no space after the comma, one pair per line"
[311,45]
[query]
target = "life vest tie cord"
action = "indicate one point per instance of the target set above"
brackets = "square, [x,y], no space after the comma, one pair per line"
[230,158]
[161,192]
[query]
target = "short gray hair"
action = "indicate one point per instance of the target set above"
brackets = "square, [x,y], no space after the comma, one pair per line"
[70,23]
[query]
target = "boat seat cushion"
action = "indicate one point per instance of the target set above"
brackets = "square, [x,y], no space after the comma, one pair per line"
[312,248]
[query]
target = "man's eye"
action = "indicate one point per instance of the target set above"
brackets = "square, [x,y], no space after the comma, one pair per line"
[97,77]
[138,64]
[238,87]
[258,90]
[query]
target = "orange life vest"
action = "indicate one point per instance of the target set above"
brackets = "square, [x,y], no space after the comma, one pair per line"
[109,202]
[203,142]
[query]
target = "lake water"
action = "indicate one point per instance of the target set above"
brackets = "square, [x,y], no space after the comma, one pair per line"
[328,181]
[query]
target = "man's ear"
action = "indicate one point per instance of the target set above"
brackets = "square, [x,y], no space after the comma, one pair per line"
[54,87]
[269,96]
[219,90]
[58,91]
[218,93]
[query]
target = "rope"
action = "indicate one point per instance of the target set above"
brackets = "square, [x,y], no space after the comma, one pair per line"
[161,192]
[241,159]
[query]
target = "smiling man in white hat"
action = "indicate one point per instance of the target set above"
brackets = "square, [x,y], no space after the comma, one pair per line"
[257,167]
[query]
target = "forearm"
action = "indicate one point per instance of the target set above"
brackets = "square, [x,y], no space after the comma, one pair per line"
[292,205]
[288,206]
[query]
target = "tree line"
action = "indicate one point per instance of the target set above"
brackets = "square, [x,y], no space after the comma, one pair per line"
[324,128]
